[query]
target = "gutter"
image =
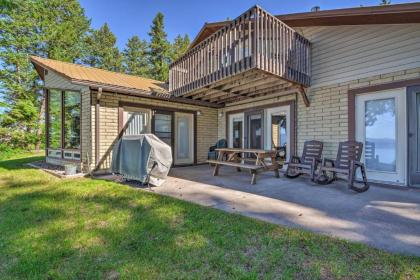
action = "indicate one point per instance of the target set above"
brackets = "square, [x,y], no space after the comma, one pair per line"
[163,95]
[97,127]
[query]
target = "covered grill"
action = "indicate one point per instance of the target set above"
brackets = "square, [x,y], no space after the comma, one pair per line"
[142,157]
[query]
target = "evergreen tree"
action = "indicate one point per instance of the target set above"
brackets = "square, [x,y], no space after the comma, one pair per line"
[48,28]
[159,50]
[134,57]
[180,46]
[385,2]
[102,51]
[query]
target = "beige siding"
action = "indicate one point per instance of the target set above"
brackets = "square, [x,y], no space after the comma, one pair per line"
[54,80]
[348,53]
[86,124]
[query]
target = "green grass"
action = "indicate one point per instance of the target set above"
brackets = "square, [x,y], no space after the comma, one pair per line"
[92,229]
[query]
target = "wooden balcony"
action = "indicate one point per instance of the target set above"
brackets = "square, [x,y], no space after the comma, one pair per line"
[256,54]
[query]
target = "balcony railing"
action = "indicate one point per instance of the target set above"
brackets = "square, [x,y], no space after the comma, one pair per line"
[254,40]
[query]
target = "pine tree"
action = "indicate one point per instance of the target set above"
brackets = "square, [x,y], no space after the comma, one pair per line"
[134,57]
[102,51]
[159,50]
[180,46]
[48,28]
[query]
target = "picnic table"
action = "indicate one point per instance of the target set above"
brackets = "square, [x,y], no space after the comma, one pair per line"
[235,157]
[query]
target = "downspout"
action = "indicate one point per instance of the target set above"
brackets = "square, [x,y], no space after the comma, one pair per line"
[97,128]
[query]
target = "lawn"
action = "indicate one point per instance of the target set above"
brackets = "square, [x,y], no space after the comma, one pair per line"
[93,229]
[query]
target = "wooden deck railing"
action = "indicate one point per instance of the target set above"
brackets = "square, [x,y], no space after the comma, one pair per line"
[255,39]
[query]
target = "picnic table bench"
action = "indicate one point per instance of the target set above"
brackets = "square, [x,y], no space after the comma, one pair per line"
[233,157]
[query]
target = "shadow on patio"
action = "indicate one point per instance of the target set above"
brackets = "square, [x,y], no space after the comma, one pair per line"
[386,218]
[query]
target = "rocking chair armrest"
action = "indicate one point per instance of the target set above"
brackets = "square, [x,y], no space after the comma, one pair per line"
[327,160]
[317,161]
[358,163]
[293,159]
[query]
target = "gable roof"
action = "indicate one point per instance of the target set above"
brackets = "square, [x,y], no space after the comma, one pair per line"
[386,14]
[91,76]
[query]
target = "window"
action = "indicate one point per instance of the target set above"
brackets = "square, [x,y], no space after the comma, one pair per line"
[64,110]
[163,127]
[54,119]
[136,121]
[380,135]
[72,120]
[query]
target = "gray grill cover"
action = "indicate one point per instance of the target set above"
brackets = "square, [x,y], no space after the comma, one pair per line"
[134,156]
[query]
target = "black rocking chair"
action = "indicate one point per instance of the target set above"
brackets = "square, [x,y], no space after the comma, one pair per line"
[346,163]
[308,162]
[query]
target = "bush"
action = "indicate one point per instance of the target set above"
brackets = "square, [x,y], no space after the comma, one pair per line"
[14,142]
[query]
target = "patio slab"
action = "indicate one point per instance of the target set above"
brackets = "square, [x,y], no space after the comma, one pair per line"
[386,218]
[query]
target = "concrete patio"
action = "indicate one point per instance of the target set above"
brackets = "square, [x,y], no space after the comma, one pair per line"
[387,218]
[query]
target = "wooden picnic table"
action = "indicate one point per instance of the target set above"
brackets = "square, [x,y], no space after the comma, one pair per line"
[234,157]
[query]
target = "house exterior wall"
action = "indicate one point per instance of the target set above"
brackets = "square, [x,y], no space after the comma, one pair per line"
[326,119]
[348,53]
[108,123]
[56,81]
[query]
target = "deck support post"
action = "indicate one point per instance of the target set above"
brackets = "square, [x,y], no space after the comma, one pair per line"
[304,96]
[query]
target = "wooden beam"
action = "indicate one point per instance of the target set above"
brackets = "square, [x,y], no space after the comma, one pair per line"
[304,96]
[275,88]
[247,88]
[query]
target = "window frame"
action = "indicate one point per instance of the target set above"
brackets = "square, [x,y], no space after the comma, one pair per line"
[60,152]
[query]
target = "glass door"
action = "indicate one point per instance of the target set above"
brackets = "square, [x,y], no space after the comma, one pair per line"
[277,131]
[184,138]
[414,135]
[236,131]
[162,126]
[255,130]
[381,126]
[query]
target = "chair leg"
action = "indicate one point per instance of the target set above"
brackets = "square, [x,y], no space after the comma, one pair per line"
[216,170]
[363,169]
[351,176]
[291,176]
[364,182]
[323,178]
[312,173]
[254,177]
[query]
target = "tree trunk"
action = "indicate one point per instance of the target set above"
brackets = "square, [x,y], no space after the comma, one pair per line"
[40,121]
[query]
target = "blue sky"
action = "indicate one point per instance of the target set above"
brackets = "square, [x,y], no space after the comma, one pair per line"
[133,17]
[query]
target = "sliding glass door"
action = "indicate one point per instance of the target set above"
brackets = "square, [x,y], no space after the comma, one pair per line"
[184,138]
[255,131]
[414,135]
[277,131]
[162,126]
[236,130]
